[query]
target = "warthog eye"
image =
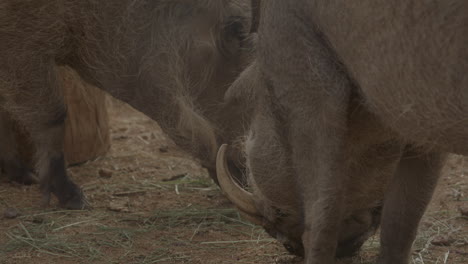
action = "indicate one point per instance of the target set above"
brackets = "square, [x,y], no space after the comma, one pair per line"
[280,214]
[232,37]
[288,247]
[234,28]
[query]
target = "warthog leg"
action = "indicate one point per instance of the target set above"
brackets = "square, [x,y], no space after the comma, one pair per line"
[408,196]
[10,160]
[32,95]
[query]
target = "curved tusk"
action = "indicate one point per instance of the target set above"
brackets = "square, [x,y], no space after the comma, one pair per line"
[238,196]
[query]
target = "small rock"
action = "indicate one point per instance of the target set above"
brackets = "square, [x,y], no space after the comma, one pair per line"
[10,213]
[164,149]
[463,210]
[175,178]
[442,241]
[179,244]
[104,173]
[38,220]
[118,206]
[145,137]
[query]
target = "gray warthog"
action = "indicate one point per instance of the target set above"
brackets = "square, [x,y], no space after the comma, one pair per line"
[356,103]
[172,60]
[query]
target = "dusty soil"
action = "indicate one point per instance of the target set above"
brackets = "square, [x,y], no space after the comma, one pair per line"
[152,203]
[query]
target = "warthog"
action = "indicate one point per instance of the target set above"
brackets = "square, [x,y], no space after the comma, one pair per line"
[356,103]
[172,60]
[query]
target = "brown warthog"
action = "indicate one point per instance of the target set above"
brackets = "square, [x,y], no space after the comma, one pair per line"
[172,60]
[355,104]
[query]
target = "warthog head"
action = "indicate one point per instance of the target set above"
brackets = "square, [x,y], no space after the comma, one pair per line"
[282,216]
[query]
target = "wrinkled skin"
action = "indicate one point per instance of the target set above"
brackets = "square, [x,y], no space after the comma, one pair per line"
[171,60]
[355,104]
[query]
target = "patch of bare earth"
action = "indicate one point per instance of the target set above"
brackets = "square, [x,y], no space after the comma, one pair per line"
[152,203]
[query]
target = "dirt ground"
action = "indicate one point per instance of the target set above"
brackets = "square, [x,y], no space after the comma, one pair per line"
[152,203]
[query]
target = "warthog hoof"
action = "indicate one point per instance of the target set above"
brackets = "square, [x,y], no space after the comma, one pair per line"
[74,199]
[69,195]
